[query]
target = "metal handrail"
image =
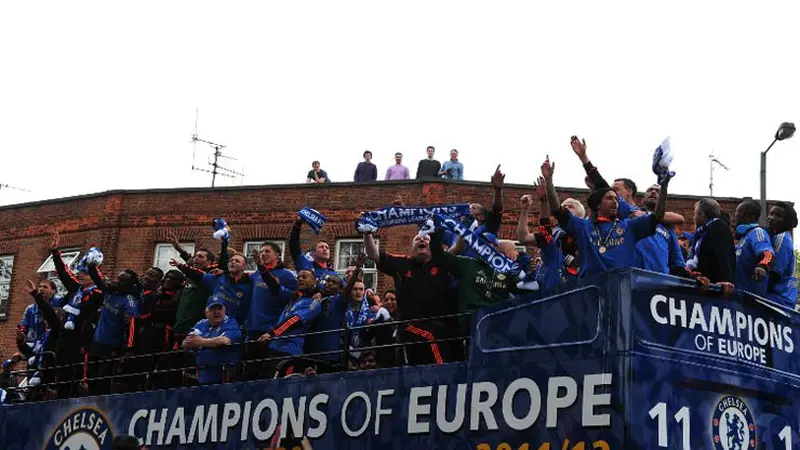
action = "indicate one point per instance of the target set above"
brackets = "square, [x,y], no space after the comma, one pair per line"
[310,356]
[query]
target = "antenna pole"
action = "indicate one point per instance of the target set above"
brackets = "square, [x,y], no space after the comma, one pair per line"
[711,175]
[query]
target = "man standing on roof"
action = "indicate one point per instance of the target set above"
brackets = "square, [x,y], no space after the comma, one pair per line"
[452,169]
[397,171]
[366,171]
[428,168]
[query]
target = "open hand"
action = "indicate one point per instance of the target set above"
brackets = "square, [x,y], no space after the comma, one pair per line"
[579,147]
[174,262]
[526,201]
[30,287]
[172,239]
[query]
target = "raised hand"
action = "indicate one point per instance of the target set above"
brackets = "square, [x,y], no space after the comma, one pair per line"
[55,239]
[548,169]
[498,178]
[30,287]
[359,260]
[579,147]
[174,262]
[172,239]
[541,189]
[526,201]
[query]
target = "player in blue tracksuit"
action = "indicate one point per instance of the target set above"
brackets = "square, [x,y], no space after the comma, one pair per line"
[316,261]
[120,304]
[604,242]
[660,252]
[234,286]
[286,339]
[33,323]
[214,339]
[782,286]
[331,318]
[754,252]
[265,307]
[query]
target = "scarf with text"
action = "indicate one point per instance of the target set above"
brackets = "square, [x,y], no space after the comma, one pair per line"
[480,245]
[392,216]
[313,218]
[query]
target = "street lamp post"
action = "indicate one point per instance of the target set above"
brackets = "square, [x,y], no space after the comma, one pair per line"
[785,131]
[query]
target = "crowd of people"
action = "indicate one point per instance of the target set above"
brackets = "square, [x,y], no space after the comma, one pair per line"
[427,168]
[209,320]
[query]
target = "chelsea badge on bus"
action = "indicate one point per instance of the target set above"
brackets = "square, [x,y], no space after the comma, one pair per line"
[733,426]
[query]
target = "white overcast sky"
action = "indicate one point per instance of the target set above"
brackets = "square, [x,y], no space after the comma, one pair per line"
[102,95]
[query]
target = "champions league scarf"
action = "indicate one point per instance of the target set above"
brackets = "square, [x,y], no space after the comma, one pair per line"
[480,245]
[313,218]
[694,248]
[393,216]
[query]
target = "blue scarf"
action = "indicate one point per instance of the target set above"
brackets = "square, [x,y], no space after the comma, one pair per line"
[662,158]
[742,230]
[697,240]
[353,320]
[222,232]
[480,245]
[372,221]
[313,218]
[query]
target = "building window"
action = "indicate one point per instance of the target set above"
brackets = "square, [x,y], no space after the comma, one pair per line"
[6,269]
[349,249]
[164,252]
[249,246]
[71,260]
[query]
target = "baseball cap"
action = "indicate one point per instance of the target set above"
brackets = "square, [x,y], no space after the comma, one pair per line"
[214,301]
[686,235]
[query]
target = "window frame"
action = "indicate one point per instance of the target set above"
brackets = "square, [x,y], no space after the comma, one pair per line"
[251,267]
[4,301]
[184,245]
[372,271]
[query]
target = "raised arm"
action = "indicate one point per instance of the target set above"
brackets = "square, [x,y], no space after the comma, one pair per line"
[97,278]
[173,240]
[498,179]
[348,288]
[294,242]
[370,248]
[191,273]
[65,275]
[594,179]
[661,205]
[44,307]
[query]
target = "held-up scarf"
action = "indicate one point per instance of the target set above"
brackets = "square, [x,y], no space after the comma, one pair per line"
[313,218]
[222,232]
[479,244]
[372,221]
[662,158]
[694,248]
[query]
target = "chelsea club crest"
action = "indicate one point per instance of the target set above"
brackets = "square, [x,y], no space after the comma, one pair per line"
[82,429]
[733,426]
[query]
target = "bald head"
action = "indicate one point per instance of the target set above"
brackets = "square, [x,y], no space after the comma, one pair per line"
[706,209]
[508,248]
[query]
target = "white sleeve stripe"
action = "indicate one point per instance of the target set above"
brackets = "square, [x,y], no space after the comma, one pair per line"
[779,242]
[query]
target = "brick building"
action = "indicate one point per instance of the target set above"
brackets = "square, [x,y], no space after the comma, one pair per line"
[131,227]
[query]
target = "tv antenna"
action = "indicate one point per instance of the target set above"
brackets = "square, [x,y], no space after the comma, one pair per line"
[11,186]
[711,161]
[216,168]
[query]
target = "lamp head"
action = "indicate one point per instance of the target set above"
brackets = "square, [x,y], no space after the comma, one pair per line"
[785,131]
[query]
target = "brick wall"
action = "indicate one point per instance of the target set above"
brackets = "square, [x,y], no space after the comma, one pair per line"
[127,225]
